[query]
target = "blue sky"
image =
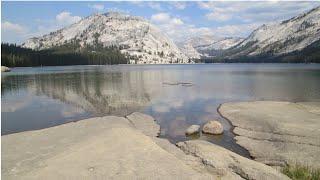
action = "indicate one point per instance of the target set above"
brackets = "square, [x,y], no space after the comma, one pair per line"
[23,20]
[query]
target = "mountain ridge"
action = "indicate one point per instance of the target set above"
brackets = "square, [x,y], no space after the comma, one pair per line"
[281,38]
[138,39]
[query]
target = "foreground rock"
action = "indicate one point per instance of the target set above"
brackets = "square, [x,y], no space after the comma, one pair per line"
[193,129]
[144,123]
[5,69]
[213,127]
[98,148]
[277,133]
[119,148]
[228,164]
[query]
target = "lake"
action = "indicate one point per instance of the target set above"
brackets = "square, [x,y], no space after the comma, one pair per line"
[35,98]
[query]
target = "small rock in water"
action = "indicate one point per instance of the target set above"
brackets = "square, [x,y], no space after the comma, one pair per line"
[170,83]
[213,127]
[193,129]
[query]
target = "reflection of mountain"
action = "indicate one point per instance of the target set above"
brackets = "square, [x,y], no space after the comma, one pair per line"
[116,93]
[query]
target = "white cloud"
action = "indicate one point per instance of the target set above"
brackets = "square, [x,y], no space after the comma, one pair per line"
[176,28]
[160,17]
[12,32]
[179,5]
[155,5]
[15,33]
[65,18]
[98,7]
[176,21]
[165,18]
[218,16]
[7,26]
[252,12]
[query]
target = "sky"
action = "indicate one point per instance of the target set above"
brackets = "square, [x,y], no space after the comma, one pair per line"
[178,19]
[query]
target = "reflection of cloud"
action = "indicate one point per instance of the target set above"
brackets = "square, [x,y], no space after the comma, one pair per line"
[176,104]
[161,108]
[210,108]
[14,105]
[98,94]
[71,112]
[177,128]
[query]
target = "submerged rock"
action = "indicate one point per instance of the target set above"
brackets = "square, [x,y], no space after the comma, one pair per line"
[213,127]
[178,83]
[193,129]
[5,69]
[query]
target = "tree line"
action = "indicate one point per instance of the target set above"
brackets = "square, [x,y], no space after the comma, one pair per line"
[67,54]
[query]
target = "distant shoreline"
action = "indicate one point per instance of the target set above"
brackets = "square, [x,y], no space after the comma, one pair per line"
[163,64]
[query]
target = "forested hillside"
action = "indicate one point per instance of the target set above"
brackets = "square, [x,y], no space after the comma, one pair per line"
[67,54]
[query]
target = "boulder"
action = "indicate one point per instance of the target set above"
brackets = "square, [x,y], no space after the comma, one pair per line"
[193,129]
[213,127]
[5,69]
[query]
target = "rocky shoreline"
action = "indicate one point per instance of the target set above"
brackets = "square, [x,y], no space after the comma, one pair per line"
[277,133]
[5,69]
[114,147]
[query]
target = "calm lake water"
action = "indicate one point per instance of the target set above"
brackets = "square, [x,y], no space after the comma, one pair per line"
[35,98]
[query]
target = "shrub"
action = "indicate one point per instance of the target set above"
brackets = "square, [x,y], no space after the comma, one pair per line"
[298,172]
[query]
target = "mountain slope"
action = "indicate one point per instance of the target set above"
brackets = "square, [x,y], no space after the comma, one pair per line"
[219,46]
[207,45]
[141,41]
[281,38]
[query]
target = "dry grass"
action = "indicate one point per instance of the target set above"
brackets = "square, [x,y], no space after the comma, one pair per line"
[298,172]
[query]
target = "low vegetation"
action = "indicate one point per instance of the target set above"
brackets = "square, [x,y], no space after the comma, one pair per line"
[298,172]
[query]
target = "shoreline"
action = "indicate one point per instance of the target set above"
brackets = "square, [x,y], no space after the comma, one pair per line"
[232,130]
[261,126]
[120,147]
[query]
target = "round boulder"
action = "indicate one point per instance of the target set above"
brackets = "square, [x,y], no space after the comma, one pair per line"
[193,129]
[213,127]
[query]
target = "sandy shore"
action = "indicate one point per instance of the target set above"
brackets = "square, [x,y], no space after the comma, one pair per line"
[120,148]
[277,133]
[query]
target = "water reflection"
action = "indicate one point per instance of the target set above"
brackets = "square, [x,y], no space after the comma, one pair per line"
[34,98]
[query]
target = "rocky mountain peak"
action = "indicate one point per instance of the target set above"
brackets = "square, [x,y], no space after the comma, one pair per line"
[141,41]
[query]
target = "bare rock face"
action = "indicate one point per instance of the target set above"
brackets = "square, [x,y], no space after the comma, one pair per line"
[98,148]
[144,123]
[226,164]
[277,133]
[193,129]
[282,37]
[213,127]
[114,147]
[141,41]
